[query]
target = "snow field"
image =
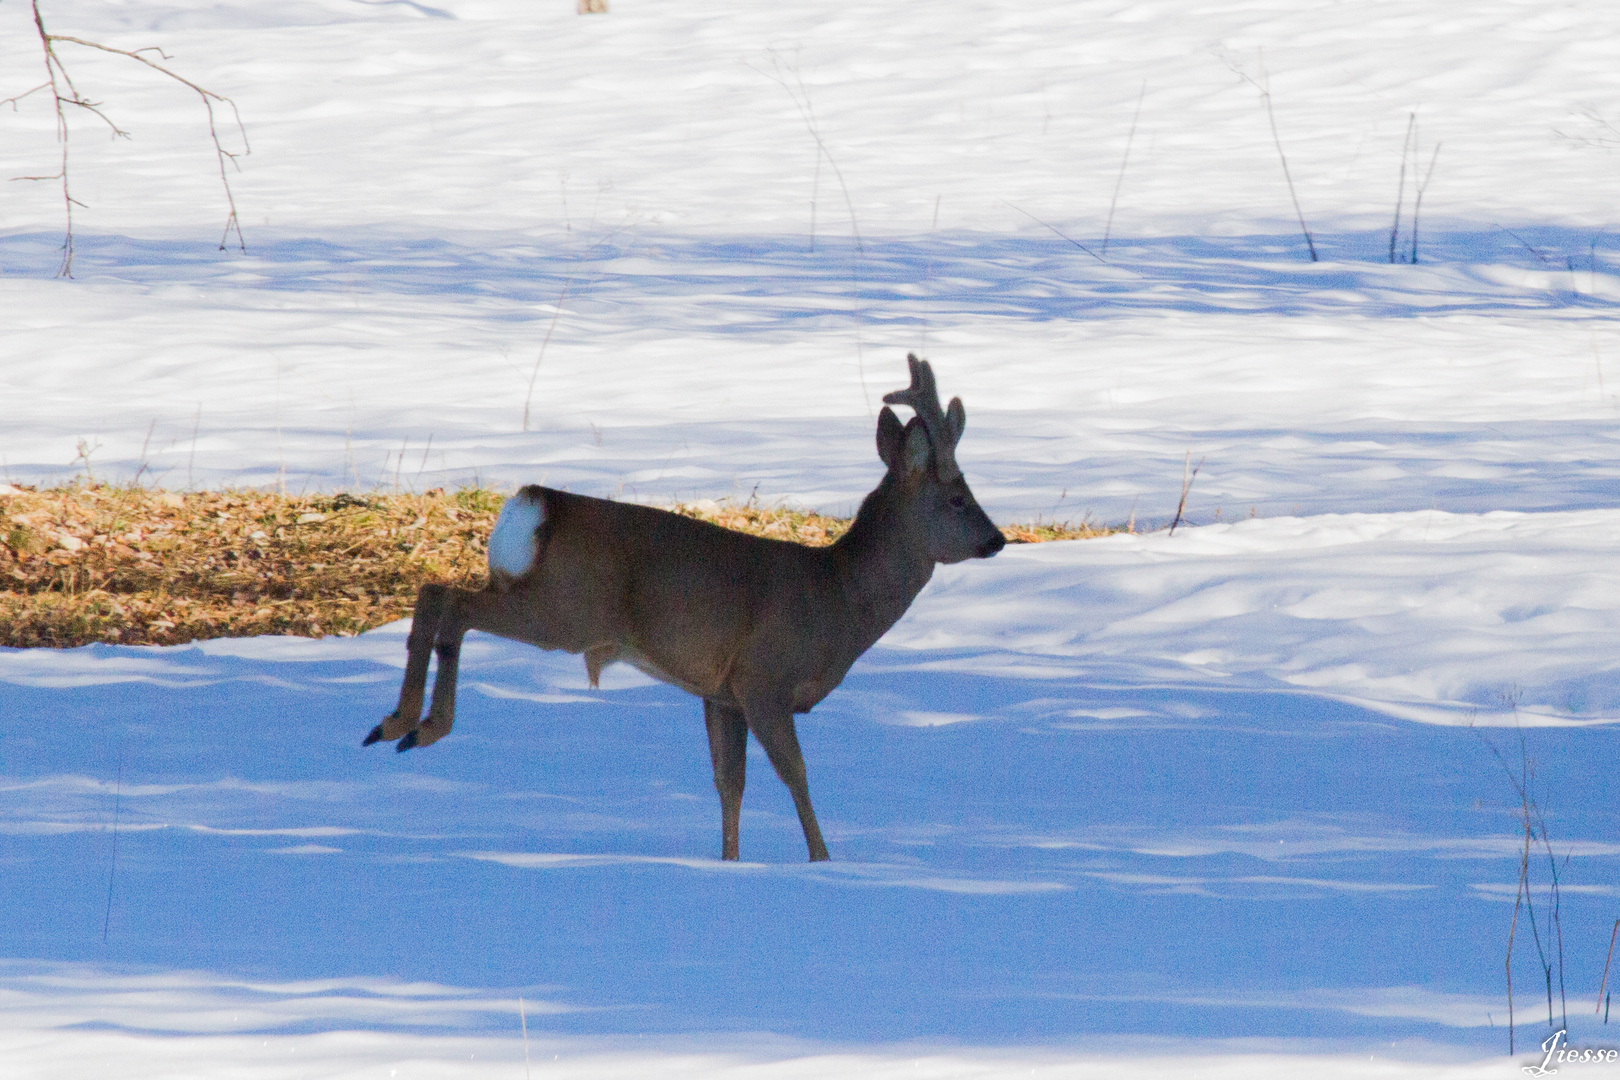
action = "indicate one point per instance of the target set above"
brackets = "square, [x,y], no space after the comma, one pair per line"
[1226,802]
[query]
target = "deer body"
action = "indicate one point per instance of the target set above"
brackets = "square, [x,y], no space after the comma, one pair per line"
[760,629]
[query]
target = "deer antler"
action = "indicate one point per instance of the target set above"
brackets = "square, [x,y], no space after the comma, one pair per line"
[944,427]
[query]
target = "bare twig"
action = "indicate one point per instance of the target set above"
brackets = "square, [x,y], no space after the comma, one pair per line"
[535,374]
[1120,179]
[1400,188]
[523,1018]
[1417,206]
[64,93]
[1187,479]
[801,101]
[1263,84]
[428,450]
[1546,260]
[1606,136]
[1513,929]
[1533,822]
[551,327]
[12,101]
[1601,986]
[1058,231]
[112,868]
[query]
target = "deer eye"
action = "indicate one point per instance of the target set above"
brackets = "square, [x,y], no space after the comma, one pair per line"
[958,502]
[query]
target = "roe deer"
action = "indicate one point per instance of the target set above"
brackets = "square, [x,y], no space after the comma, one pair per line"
[759,629]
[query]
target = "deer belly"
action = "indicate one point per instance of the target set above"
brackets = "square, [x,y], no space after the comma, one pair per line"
[807,695]
[644,664]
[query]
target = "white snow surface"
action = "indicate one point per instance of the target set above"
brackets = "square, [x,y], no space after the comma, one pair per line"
[1238,800]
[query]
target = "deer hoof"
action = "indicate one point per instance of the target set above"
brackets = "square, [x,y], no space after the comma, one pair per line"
[406,743]
[375,736]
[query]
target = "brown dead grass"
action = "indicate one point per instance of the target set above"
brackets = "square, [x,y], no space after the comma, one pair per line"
[139,567]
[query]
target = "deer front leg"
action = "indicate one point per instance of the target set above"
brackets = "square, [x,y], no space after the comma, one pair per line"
[728,746]
[418,649]
[772,725]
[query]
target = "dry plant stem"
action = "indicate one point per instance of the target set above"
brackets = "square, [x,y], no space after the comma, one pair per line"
[551,328]
[1534,824]
[1264,86]
[1187,479]
[1400,187]
[1120,179]
[1292,194]
[1417,206]
[196,426]
[523,1018]
[112,867]
[556,315]
[801,101]
[1531,248]
[815,197]
[1059,232]
[1513,929]
[1601,986]
[58,79]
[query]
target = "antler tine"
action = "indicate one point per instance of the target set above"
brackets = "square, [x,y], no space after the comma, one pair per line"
[923,398]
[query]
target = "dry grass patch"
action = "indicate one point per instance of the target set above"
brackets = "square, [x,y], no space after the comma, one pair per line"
[138,567]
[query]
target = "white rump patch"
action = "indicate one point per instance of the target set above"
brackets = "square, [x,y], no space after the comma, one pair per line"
[513,546]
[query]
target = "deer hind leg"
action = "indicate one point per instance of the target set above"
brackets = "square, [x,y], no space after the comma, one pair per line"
[419,648]
[463,610]
[773,727]
[728,746]
[443,617]
[460,615]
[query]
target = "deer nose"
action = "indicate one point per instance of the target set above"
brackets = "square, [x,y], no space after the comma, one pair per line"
[993,545]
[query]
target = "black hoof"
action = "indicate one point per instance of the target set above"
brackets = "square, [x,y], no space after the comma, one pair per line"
[406,743]
[375,736]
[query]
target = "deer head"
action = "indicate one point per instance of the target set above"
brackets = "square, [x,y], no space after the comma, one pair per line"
[921,456]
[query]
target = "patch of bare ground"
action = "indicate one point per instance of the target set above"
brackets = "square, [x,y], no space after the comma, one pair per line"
[133,566]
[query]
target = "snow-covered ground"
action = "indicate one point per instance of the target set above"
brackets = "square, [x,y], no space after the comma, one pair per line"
[1236,801]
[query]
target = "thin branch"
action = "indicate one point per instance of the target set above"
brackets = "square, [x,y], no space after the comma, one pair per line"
[1537,252]
[1187,479]
[535,374]
[64,92]
[807,114]
[523,1019]
[1534,823]
[1264,86]
[590,234]
[1400,188]
[1607,137]
[1612,935]
[208,97]
[1059,232]
[1417,207]
[1120,179]
[112,868]
[12,101]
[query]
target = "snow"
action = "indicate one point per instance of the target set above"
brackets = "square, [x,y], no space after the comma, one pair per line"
[1237,801]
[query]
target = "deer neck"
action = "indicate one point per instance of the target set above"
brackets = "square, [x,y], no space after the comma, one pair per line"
[881,562]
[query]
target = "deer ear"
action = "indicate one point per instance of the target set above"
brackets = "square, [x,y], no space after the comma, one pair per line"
[917,446]
[956,416]
[890,436]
